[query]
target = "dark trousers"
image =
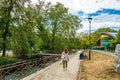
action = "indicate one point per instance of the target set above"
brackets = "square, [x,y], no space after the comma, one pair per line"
[64,64]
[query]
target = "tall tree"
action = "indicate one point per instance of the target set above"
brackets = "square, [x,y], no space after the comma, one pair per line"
[61,23]
[36,26]
[6,9]
[42,31]
[23,35]
[11,15]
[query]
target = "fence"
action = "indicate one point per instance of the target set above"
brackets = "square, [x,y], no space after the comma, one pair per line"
[22,69]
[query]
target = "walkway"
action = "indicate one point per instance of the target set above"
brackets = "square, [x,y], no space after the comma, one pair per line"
[105,52]
[55,71]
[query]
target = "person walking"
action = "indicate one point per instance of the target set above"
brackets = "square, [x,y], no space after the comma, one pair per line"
[65,59]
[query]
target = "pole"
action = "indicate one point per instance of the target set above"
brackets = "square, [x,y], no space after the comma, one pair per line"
[89,40]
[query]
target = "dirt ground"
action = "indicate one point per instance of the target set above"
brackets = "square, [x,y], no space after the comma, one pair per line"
[100,67]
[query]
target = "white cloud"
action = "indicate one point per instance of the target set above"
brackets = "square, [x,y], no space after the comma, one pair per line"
[107,17]
[34,1]
[78,5]
[88,6]
[91,6]
[112,4]
[103,20]
[106,20]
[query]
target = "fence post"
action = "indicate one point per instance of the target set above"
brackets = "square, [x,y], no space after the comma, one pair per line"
[22,70]
[0,73]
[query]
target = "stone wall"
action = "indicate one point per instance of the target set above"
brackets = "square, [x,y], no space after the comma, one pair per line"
[117,58]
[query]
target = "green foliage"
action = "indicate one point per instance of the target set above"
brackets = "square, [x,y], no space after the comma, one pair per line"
[95,35]
[39,26]
[21,42]
[114,42]
[10,13]
[62,27]
[118,37]
[38,45]
[97,32]
[84,39]
[7,60]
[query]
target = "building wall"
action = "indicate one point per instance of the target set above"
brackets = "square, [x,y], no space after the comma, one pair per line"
[104,40]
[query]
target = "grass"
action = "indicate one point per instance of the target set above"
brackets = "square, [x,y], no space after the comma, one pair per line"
[7,60]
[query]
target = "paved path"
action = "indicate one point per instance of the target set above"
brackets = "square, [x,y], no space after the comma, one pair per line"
[55,71]
[105,52]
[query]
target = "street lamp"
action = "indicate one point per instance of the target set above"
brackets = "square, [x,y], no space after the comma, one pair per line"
[90,20]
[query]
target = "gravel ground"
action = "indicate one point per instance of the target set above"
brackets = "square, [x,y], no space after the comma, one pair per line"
[100,67]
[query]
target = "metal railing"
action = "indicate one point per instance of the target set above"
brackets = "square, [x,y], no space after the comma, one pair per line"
[19,70]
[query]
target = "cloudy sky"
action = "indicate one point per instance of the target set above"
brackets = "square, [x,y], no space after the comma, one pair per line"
[105,13]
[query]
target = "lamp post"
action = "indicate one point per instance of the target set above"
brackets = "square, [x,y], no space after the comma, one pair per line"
[90,20]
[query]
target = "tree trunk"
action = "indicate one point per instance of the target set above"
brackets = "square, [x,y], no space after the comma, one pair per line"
[6,32]
[4,49]
[4,38]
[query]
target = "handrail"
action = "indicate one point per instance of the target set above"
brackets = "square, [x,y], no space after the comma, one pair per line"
[25,65]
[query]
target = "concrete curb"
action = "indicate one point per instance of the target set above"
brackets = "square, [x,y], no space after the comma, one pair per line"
[80,69]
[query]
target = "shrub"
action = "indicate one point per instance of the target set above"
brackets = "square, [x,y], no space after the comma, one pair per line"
[7,60]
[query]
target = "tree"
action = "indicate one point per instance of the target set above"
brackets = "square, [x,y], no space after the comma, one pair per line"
[61,25]
[15,15]
[25,26]
[118,37]
[116,41]
[41,27]
[6,9]
[23,32]
[84,42]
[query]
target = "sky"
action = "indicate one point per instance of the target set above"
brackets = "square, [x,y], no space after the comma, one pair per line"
[105,13]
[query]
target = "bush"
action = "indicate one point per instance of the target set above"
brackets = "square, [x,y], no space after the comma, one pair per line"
[7,60]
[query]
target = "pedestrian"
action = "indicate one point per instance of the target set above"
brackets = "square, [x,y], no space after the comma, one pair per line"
[65,59]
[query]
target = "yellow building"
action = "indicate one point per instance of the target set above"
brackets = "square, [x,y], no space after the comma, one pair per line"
[105,38]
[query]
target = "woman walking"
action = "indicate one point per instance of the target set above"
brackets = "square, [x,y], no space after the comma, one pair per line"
[65,59]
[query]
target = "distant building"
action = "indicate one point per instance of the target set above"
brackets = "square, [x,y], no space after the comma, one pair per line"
[105,38]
